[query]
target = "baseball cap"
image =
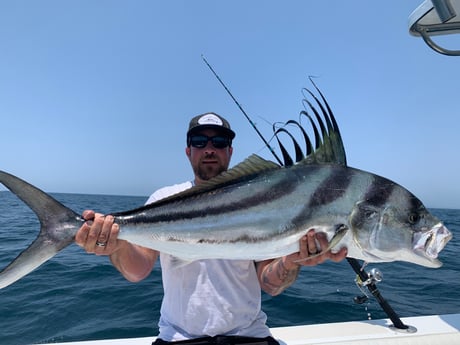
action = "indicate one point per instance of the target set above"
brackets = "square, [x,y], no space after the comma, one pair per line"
[210,120]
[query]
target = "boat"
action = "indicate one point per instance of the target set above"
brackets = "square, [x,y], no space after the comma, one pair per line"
[421,330]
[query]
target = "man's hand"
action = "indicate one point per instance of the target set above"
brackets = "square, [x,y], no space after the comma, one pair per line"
[311,251]
[99,234]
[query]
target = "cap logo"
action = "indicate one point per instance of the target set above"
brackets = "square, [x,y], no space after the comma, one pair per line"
[210,119]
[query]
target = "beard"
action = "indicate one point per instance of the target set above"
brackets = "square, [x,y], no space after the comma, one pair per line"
[206,172]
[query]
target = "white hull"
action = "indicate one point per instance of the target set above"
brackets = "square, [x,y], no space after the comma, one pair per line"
[430,330]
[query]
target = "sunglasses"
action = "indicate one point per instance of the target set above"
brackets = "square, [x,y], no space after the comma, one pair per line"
[218,141]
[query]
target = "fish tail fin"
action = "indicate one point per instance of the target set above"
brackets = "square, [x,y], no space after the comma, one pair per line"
[58,226]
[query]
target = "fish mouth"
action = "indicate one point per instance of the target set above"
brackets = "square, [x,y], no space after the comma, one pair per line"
[430,243]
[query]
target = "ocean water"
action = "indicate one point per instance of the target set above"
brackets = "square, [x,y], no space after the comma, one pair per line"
[76,296]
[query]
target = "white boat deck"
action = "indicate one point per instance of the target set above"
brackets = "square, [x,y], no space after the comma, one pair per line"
[430,330]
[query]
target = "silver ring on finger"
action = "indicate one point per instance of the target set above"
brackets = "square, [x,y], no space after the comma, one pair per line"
[101,244]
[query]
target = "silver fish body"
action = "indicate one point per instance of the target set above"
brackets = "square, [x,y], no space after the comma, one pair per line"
[265,216]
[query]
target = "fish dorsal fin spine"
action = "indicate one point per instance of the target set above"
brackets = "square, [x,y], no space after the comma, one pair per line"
[327,147]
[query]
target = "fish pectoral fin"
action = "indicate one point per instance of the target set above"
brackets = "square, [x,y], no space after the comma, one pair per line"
[339,234]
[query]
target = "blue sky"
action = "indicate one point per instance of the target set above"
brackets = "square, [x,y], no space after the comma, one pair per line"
[95,96]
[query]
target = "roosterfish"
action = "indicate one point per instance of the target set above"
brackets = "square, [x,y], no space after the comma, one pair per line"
[260,209]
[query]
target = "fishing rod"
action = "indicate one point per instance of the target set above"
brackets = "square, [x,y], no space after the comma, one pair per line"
[242,110]
[368,280]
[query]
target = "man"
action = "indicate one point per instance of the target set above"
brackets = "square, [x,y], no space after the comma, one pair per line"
[205,298]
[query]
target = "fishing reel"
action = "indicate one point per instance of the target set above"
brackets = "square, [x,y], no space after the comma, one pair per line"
[374,276]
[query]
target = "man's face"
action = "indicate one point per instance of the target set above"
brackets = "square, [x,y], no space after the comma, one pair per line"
[208,161]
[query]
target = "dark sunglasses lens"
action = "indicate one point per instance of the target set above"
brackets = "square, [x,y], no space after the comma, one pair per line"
[199,141]
[219,142]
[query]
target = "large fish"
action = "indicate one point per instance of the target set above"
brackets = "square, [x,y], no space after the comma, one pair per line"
[259,210]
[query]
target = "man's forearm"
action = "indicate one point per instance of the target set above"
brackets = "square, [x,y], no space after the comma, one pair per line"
[134,262]
[275,276]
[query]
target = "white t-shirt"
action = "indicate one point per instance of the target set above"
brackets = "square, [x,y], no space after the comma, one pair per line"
[208,297]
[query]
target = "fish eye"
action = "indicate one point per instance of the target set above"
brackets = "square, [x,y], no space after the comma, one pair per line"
[414,218]
[369,214]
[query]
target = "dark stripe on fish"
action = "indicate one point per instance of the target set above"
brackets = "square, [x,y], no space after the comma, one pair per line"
[283,187]
[379,191]
[331,189]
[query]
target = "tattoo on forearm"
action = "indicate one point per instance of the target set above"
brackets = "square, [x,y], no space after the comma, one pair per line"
[277,277]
